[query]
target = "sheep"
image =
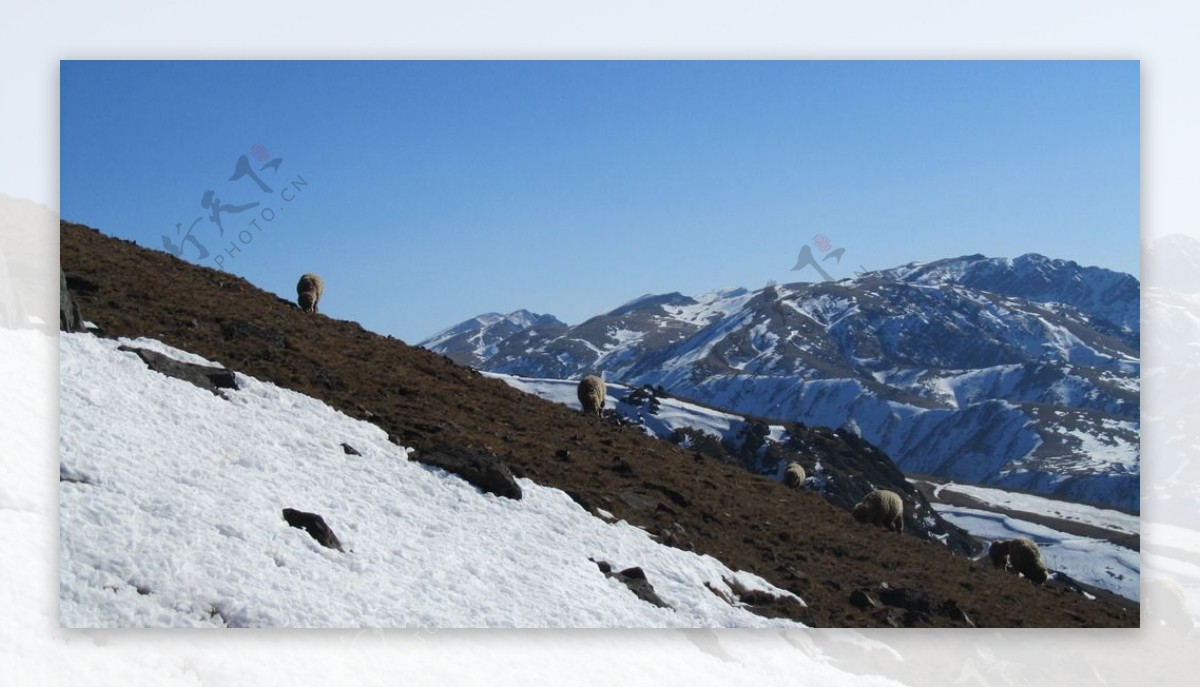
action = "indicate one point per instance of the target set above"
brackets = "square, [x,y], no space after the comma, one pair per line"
[793,475]
[308,291]
[1019,555]
[591,395]
[881,508]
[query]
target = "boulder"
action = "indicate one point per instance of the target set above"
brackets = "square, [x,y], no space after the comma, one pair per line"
[635,579]
[69,317]
[485,471]
[204,377]
[315,526]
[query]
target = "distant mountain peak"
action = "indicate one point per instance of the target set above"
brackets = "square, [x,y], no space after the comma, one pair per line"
[948,365]
[474,340]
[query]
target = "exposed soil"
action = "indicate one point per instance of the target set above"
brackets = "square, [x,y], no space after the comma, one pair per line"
[794,539]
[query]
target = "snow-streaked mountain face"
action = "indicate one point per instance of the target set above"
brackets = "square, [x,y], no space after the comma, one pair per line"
[476,339]
[1019,373]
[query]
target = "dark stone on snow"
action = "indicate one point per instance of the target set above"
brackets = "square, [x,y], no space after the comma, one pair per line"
[314,525]
[350,450]
[69,317]
[485,471]
[70,475]
[204,377]
[635,579]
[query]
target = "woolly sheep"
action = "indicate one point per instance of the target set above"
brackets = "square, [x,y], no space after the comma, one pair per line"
[881,508]
[308,292]
[591,395]
[793,475]
[1019,555]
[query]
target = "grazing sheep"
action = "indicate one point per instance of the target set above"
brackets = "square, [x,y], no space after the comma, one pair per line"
[998,553]
[591,395]
[881,508]
[1019,555]
[793,475]
[308,291]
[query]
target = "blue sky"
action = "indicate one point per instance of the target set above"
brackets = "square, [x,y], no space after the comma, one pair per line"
[429,192]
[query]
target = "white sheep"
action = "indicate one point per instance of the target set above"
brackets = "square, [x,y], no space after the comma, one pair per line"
[793,475]
[882,508]
[308,291]
[591,395]
[1019,555]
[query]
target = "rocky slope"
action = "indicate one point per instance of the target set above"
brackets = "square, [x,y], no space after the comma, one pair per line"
[796,540]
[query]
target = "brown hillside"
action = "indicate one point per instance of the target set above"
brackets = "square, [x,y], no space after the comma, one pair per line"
[795,540]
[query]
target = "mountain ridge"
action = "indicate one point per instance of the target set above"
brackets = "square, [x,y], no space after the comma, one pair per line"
[949,379]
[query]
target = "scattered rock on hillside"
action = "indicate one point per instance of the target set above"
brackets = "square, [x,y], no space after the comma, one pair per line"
[485,471]
[69,317]
[635,579]
[204,377]
[314,525]
[906,606]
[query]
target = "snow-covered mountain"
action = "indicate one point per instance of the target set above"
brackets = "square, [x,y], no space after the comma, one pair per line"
[172,513]
[479,336]
[1019,373]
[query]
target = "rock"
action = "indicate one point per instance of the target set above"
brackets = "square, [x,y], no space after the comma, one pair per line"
[640,500]
[863,599]
[70,475]
[951,610]
[314,525]
[350,450]
[69,317]
[579,499]
[669,493]
[906,598]
[204,377]
[485,471]
[635,579]
[620,466]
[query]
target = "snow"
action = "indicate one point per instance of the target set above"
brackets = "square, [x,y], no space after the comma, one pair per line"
[710,306]
[172,517]
[1108,519]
